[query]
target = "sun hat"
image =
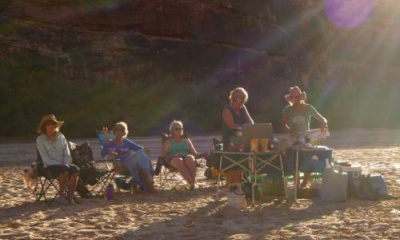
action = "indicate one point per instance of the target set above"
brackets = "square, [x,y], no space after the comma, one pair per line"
[49,117]
[295,93]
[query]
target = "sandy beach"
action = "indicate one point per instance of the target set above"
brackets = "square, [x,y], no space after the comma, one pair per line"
[196,214]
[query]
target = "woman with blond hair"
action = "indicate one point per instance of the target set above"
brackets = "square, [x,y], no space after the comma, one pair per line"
[234,115]
[56,157]
[130,155]
[180,152]
[297,116]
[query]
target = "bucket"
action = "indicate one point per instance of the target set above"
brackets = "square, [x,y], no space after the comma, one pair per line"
[236,197]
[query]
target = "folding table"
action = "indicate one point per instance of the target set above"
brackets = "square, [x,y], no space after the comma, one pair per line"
[304,159]
[234,161]
[269,162]
[252,163]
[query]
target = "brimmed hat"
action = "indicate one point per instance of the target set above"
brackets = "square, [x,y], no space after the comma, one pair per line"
[295,93]
[49,117]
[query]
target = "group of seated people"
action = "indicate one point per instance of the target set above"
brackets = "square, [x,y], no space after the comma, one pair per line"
[55,154]
[179,151]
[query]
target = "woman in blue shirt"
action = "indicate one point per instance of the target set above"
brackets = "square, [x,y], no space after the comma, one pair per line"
[56,157]
[130,155]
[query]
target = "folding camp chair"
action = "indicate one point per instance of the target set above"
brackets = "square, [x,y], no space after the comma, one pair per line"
[167,172]
[118,173]
[47,182]
[90,176]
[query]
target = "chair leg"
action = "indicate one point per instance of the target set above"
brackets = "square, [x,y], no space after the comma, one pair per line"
[102,184]
[45,185]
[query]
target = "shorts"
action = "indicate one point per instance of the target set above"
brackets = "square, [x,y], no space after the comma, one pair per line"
[58,169]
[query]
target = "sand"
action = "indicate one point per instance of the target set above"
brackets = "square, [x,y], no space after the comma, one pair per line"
[196,214]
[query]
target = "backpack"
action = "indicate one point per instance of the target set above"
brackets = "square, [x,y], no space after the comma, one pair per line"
[82,156]
[368,187]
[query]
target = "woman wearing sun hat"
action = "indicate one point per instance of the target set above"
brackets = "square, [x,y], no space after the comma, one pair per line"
[297,116]
[55,154]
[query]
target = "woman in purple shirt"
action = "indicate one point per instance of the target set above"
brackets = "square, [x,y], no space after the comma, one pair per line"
[130,155]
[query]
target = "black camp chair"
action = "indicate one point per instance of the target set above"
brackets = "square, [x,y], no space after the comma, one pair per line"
[168,173]
[92,180]
[47,182]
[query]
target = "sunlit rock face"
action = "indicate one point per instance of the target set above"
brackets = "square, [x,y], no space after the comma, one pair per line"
[139,40]
[135,40]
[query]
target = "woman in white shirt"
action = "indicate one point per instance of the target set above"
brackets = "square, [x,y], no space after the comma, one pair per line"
[56,157]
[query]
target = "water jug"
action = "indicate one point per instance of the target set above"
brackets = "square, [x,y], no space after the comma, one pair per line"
[110,192]
[334,184]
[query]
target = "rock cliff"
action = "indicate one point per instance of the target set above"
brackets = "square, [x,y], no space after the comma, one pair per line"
[265,46]
[125,40]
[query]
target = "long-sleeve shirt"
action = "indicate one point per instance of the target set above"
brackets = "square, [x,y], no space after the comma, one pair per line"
[53,153]
[123,151]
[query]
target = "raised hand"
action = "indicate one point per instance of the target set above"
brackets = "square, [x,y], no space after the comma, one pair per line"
[106,134]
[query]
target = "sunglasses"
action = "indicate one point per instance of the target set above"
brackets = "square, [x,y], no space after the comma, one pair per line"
[241,100]
[50,123]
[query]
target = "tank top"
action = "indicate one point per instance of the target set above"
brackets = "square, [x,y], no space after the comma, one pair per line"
[181,147]
[237,119]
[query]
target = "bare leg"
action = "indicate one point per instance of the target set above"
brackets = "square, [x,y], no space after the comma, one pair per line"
[62,182]
[146,176]
[233,177]
[180,166]
[192,168]
[72,186]
[305,179]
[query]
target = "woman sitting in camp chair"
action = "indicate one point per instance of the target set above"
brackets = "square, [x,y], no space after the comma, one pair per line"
[53,149]
[130,155]
[180,153]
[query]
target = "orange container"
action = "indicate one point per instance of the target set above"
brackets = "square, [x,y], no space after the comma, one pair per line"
[264,144]
[254,144]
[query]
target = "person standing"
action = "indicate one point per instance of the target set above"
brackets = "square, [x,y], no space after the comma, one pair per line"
[234,115]
[296,118]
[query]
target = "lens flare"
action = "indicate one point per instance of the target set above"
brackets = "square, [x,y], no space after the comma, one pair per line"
[349,13]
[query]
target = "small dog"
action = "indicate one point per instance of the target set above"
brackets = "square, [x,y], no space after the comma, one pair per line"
[29,178]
